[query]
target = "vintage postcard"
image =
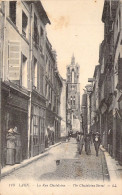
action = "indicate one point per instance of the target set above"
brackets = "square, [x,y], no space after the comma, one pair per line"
[61,97]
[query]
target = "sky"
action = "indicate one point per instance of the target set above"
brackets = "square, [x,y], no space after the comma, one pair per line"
[76,27]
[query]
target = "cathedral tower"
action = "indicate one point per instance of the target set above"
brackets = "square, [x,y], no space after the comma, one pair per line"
[73,96]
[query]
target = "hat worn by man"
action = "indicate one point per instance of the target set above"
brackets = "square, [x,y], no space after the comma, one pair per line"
[15,130]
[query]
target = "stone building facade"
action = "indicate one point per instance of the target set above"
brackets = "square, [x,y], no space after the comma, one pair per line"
[106,96]
[53,92]
[23,73]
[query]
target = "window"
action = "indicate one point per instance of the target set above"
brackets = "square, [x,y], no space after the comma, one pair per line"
[24,71]
[41,40]
[42,125]
[12,11]
[35,73]
[24,24]
[35,129]
[36,34]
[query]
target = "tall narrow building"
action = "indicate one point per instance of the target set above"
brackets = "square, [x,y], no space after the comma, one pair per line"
[73,96]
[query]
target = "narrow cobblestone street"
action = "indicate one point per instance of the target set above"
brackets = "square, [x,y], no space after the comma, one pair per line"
[72,165]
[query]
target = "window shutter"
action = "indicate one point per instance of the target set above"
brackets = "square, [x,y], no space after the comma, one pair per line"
[14,60]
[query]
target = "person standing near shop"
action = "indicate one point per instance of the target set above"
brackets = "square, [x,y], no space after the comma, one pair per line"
[110,140]
[18,147]
[11,145]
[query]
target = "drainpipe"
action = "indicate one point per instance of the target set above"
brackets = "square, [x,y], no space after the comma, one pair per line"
[2,39]
[30,87]
[0,112]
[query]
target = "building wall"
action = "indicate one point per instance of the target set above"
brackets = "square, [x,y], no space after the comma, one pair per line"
[52,92]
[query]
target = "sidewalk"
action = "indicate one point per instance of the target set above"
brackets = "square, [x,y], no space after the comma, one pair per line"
[9,169]
[114,169]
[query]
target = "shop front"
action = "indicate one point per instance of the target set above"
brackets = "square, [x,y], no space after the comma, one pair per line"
[14,126]
[37,135]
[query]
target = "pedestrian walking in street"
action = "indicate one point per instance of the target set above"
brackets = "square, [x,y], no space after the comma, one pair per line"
[87,140]
[80,142]
[97,141]
[68,137]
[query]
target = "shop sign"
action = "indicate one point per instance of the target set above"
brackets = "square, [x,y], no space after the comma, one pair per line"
[18,102]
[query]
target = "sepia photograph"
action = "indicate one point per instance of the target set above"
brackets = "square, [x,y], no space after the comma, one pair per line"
[61,97]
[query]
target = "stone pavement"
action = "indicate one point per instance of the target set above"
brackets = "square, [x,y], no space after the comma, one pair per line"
[114,169]
[72,166]
[11,168]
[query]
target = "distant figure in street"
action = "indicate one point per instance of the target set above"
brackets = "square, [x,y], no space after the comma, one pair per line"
[87,143]
[97,141]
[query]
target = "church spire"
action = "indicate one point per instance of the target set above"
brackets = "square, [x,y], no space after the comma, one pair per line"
[73,60]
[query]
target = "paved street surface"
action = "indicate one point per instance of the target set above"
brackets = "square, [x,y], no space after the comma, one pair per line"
[72,165]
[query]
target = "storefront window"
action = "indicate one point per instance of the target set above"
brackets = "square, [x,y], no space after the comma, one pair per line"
[38,125]
[35,130]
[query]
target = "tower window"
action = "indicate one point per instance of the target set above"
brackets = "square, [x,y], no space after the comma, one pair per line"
[68,70]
